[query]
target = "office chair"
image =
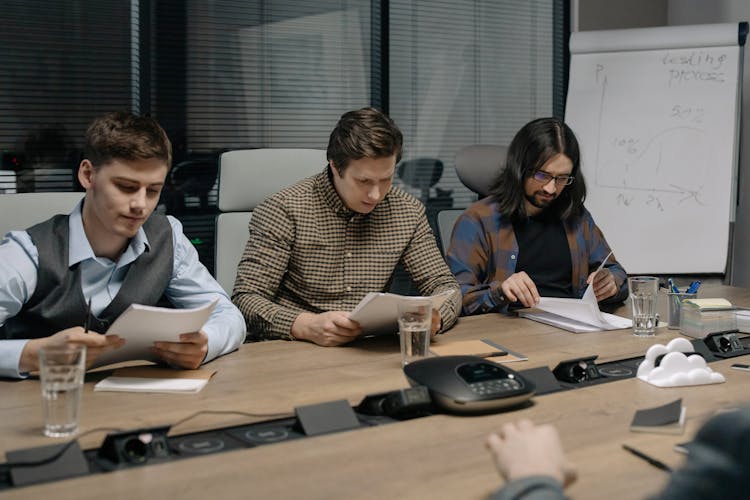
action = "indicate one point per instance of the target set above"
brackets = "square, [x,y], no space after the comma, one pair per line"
[421,173]
[191,178]
[246,178]
[22,210]
[477,166]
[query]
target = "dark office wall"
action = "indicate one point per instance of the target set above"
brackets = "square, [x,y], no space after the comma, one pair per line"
[620,14]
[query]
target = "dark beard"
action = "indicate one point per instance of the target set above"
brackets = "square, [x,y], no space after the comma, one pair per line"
[538,203]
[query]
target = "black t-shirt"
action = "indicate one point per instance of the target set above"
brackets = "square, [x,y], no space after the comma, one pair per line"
[544,254]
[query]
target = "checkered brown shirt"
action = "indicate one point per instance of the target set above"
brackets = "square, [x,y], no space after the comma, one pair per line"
[308,252]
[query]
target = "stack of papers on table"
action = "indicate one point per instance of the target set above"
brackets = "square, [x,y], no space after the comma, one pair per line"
[575,315]
[155,379]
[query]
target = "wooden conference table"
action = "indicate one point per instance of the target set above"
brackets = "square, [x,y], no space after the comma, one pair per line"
[439,456]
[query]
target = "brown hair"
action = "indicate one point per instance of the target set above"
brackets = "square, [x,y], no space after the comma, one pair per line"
[364,133]
[126,136]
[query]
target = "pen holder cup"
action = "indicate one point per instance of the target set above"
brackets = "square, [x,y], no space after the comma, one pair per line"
[674,307]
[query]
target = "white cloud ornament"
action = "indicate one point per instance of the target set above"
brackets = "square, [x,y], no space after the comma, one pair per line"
[676,367]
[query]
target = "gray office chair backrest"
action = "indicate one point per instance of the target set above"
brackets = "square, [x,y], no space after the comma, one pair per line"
[478,166]
[246,178]
[23,210]
[446,219]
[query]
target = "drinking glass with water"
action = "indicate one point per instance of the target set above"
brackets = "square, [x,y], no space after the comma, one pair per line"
[644,292]
[61,371]
[414,325]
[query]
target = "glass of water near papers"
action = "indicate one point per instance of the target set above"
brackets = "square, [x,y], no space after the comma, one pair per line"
[644,292]
[414,326]
[61,371]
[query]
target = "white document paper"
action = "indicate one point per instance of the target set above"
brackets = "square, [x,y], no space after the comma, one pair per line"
[141,326]
[377,313]
[743,320]
[135,384]
[576,315]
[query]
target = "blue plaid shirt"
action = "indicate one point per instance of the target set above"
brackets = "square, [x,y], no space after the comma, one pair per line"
[483,253]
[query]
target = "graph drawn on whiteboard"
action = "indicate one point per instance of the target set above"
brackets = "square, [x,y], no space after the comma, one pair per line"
[643,164]
[657,127]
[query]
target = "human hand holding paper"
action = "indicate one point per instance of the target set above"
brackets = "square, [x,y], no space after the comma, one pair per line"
[143,326]
[584,311]
[519,287]
[331,328]
[189,352]
[602,281]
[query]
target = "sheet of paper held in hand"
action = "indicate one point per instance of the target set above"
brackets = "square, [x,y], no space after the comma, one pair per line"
[377,313]
[141,326]
[576,315]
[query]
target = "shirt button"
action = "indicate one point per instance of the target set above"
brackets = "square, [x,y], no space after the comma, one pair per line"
[348,289]
[512,257]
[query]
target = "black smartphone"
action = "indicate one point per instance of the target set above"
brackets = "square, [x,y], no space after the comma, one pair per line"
[740,366]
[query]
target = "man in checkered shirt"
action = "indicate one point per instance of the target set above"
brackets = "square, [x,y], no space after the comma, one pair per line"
[316,248]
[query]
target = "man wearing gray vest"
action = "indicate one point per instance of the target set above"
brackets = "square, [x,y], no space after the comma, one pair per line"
[107,254]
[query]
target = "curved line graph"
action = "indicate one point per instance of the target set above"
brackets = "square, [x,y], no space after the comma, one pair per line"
[655,144]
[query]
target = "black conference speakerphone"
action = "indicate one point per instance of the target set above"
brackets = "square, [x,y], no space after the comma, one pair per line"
[469,384]
[149,446]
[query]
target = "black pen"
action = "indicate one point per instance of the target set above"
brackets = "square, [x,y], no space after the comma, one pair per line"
[656,463]
[491,354]
[87,321]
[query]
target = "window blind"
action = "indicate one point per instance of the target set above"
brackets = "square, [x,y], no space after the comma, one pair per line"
[466,72]
[64,62]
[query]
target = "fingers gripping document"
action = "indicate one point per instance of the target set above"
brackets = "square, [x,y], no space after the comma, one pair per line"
[377,313]
[576,315]
[141,326]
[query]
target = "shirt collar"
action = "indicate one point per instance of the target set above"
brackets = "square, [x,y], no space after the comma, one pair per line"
[324,185]
[79,248]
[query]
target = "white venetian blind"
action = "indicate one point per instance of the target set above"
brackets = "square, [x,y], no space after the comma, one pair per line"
[465,72]
[63,63]
[274,74]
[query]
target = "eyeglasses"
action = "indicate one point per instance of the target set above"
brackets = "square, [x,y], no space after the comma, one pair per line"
[560,180]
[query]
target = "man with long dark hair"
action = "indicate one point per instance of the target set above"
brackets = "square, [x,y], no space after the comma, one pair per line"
[532,236]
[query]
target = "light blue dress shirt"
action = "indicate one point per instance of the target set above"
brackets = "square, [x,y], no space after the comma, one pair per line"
[191,285]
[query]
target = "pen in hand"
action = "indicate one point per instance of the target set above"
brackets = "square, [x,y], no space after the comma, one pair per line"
[656,463]
[87,321]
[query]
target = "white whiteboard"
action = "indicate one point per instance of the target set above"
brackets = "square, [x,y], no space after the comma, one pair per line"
[656,112]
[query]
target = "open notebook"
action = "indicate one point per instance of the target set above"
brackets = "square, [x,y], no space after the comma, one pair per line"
[575,315]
